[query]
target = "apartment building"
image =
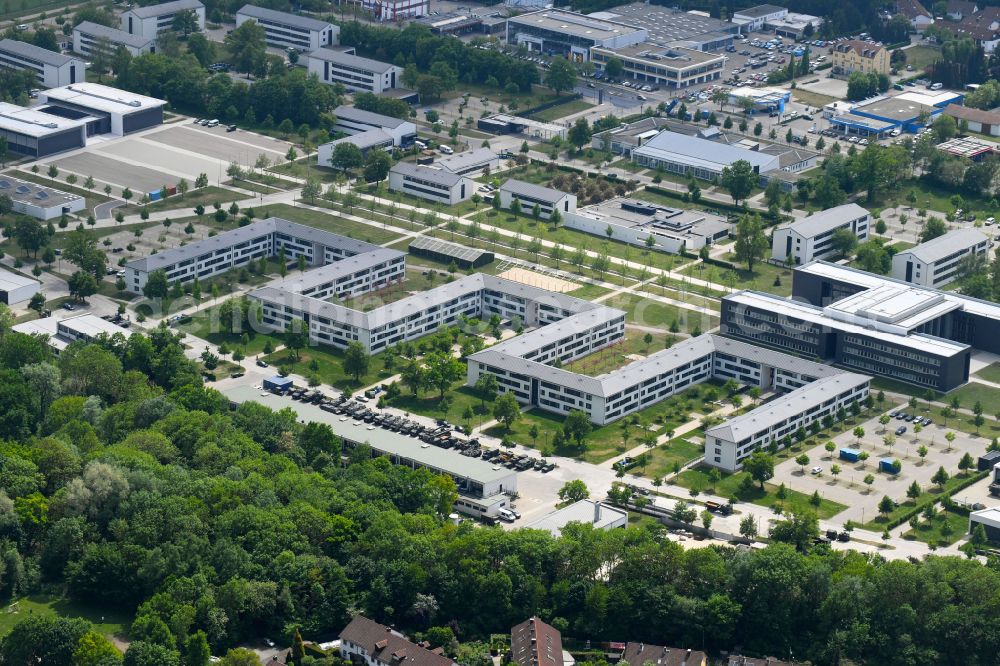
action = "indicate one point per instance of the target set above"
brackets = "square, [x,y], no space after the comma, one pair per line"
[810,238]
[397,10]
[238,247]
[529,195]
[672,67]
[150,20]
[855,55]
[285,30]
[51,69]
[640,654]
[936,262]
[430,184]
[698,157]
[88,36]
[357,74]
[535,643]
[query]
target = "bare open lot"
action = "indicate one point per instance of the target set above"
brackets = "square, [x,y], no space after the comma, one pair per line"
[107,169]
[241,147]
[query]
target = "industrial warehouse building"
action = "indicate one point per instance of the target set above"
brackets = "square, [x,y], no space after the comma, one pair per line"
[106,110]
[354,72]
[700,158]
[671,27]
[984,122]
[51,68]
[936,262]
[286,30]
[529,195]
[16,288]
[811,237]
[471,162]
[570,34]
[431,184]
[63,332]
[34,133]
[44,203]
[88,36]
[150,20]
[650,225]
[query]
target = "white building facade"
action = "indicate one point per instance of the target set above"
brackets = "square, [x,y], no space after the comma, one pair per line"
[936,262]
[811,237]
[88,36]
[430,184]
[529,195]
[51,69]
[353,72]
[285,30]
[151,20]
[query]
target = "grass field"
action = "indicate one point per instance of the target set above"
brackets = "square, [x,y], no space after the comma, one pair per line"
[329,222]
[204,325]
[731,485]
[329,365]
[106,621]
[921,56]
[414,281]
[762,278]
[648,312]
[205,196]
[972,393]
[616,356]
[944,529]
[562,110]
[663,458]
[430,404]
[812,98]
[589,292]
[990,373]
[930,493]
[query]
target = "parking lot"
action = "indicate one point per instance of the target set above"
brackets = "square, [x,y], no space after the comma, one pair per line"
[147,161]
[849,488]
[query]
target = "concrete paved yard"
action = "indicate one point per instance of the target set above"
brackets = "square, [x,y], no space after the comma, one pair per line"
[848,488]
[107,169]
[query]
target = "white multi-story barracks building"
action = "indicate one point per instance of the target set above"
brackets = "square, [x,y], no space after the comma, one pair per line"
[238,247]
[570,34]
[286,30]
[529,194]
[936,262]
[87,36]
[431,184]
[51,69]
[357,74]
[810,238]
[151,20]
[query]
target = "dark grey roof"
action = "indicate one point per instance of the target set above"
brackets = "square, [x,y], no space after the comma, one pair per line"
[758,11]
[947,245]
[150,11]
[26,50]
[350,60]
[438,176]
[520,188]
[116,36]
[368,117]
[34,194]
[292,20]
[453,250]
[469,158]
[826,220]
[364,140]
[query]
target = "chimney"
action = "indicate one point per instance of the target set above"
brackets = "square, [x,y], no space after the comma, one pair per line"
[597,512]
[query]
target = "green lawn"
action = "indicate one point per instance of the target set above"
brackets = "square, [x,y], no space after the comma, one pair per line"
[921,56]
[205,325]
[106,621]
[931,493]
[616,356]
[648,312]
[460,398]
[972,393]
[990,373]
[731,485]
[205,196]
[562,110]
[676,452]
[589,292]
[329,222]
[812,98]
[329,365]
[762,278]
[944,529]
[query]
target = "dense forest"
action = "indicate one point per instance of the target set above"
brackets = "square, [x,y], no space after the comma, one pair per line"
[130,486]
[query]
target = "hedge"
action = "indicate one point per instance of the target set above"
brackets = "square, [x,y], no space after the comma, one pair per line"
[920,506]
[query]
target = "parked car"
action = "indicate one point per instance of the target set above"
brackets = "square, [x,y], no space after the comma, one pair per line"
[261,363]
[901,430]
[816,470]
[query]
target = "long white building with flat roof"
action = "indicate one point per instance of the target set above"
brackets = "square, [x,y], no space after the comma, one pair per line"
[34,133]
[51,68]
[810,238]
[530,195]
[430,183]
[570,34]
[700,158]
[936,262]
[107,110]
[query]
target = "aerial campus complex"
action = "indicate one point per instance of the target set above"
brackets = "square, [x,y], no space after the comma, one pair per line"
[560,329]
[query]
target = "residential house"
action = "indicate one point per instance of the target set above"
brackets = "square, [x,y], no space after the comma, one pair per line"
[365,642]
[855,55]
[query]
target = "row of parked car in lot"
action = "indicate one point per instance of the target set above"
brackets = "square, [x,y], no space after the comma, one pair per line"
[443,434]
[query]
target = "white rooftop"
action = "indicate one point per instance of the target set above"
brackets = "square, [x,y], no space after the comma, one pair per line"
[825,220]
[102,98]
[30,122]
[600,515]
[948,244]
[10,281]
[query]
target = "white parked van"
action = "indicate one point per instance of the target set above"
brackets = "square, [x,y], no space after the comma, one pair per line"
[447,150]
[506,515]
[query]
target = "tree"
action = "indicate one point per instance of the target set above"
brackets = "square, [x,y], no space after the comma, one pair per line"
[247,48]
[356,360]
[574,491]
[739,179]
[940,477]
[185,22]
[43,639]
[751,242]
[966,463]
[748,527]
[506,410]
[614,68]
[93,649]
[579,133]
[800,529]
[869,480]
[802,460]
[156,284]
[859,432]
[843,242]
[760,467]
[561,75]
[933,228]
[487,387]
[82,285]
[143,653]
[377,165]
[346,156]
[577,426]
[30,235]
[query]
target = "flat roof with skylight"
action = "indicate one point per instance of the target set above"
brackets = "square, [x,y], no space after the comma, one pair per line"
[103,98]
[33,123]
